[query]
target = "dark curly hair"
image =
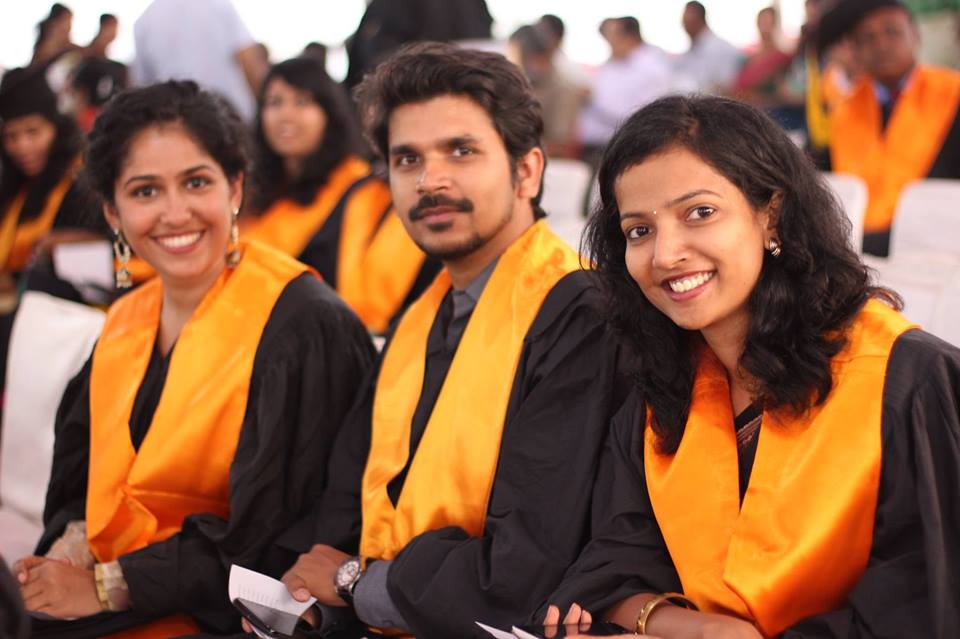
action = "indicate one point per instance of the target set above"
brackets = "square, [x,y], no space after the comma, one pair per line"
[207,117]
[341,137]
[426,70]
[804,299]
[67,144]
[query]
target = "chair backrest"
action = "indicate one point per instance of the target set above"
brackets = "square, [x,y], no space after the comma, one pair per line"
[565,185]
[927,218]
[50,341]
[852,193]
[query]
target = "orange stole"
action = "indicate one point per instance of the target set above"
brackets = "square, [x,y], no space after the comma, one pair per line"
[18,240]
[803,536]
[288,226]
[451,476]
[379,283]
[138,498]
[887,160]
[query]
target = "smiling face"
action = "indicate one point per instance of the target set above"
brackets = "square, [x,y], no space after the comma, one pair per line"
[28,141]
[694,244]
[173,203]
[451,178]
[293,123]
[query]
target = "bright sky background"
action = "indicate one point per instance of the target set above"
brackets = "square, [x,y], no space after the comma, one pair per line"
[286,25]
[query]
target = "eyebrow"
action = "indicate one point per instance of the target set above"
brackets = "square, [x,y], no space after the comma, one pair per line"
[446,143]
[675,201]
[192,169]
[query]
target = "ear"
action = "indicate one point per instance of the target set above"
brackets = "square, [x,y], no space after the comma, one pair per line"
[530,173]
[770,216]
[113,218]
[236,191]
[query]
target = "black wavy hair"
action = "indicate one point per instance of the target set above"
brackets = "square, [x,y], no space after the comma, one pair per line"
[804,299]
[341,137]
[67,144]
[206,116]
[425,70]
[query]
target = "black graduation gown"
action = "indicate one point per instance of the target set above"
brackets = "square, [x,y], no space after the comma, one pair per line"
[14,623]
[311,359]
[911,587]
[568,385]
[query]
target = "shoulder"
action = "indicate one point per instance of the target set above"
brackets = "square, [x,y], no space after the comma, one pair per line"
[307,303]
[918,357]
[575,298]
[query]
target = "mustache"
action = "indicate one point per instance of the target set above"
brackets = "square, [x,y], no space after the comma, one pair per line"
[434,201]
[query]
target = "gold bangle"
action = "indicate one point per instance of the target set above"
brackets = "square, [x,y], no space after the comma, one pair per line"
[101,589]
[653,603]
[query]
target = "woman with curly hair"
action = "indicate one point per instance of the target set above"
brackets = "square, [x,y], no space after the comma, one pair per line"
[316,199]
[789,458]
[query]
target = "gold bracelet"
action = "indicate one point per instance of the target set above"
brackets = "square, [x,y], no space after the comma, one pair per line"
[653,603]
[101,589]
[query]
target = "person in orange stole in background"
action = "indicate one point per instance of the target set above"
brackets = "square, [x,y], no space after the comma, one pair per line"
[789,459]
[198,431]
[315,198]
[901,121]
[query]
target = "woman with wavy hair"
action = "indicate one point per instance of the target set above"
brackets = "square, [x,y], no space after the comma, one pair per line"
[789,457]
[316,199]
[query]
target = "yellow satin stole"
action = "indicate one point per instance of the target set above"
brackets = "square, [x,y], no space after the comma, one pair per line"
[452,473]
[906,150]
[18,240]
[139,497]
[802,538]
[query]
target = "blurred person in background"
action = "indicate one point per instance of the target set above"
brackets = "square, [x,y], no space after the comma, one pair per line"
[711,63]
[40,198]
[315,197]
[189,440]
[104,38]
[560,99]
[764,70]
[94,81]
[635,74]
[553,28]
[53,36]
[900,122]
[213,47]
[386,25]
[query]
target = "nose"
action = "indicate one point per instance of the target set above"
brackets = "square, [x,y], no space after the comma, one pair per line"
[176,210]
[669,247]
[433,177]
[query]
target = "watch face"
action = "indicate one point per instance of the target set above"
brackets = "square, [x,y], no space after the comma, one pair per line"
[348,572]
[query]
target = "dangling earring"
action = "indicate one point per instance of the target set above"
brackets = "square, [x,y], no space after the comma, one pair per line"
[233,255]
[774,247]
[121,251]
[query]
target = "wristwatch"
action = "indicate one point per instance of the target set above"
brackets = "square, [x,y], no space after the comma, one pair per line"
[346,578]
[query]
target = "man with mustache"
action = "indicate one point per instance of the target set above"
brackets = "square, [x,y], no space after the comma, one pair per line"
[462,490]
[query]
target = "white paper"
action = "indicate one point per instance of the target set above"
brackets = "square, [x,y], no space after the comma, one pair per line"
[85,263]
[266,591]
[499,634]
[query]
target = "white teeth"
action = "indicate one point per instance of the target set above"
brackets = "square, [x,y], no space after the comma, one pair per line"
[179,241]
[690,283]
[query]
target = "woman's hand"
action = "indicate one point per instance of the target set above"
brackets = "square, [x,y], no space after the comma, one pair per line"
[724,627]
[56,588]
[577,620]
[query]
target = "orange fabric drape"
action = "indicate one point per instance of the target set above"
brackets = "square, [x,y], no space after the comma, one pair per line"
[17,240]
[135,498]
[803,535]
[451,475]
[906,150]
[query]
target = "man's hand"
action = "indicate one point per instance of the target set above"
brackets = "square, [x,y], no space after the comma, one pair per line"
[313,575]
[56,588]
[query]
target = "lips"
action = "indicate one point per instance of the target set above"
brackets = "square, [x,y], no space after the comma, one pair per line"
[180,241]
[687,283]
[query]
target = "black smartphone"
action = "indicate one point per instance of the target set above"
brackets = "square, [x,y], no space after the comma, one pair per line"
[269,621]
[595,629]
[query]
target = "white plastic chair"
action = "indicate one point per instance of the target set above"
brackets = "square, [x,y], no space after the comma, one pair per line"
[946,324]
[852,193]
[927,218]
[565,185]
[50,341]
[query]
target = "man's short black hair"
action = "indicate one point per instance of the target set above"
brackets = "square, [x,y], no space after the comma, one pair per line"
[698,8]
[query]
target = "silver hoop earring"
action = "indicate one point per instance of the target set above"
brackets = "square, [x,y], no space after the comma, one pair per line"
[774,247]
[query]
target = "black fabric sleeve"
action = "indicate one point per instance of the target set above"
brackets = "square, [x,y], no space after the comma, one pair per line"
[911,587]
[14,623]
[627,554]
[67,490]
[307,370]
[565,391]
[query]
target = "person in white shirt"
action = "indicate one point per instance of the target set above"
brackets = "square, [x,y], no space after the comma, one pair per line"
[206,42]
[711,64]
[636,74]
